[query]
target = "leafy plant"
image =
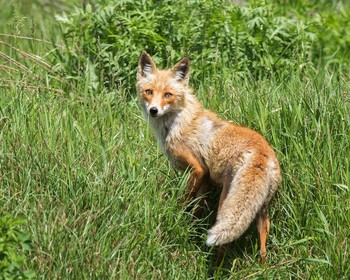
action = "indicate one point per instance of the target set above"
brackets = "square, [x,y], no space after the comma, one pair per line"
[14,247]
[328,22]
[104,41]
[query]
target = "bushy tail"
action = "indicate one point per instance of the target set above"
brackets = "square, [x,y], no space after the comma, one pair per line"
[246,196]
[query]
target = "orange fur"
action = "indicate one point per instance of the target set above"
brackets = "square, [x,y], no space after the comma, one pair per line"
[236,159]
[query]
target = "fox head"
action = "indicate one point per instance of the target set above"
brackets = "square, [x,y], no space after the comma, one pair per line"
[161,91]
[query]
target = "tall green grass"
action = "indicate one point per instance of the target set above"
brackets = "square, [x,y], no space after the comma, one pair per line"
[102,202]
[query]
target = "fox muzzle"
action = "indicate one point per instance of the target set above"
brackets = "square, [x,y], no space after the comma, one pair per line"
[153,111]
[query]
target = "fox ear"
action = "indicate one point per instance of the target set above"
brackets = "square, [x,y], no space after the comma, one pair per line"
[181,70]
[146,65]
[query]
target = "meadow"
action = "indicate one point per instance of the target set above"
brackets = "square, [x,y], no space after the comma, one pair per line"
[85,191]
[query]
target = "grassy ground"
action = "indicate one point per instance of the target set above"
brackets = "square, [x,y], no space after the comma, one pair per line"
[102,201]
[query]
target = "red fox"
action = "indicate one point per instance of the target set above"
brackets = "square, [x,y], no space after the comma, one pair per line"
[234,158]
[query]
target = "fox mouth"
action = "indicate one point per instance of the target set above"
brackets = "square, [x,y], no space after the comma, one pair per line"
[156,116]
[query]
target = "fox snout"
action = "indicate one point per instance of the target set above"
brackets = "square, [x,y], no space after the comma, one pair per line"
[156,111]
[153,111]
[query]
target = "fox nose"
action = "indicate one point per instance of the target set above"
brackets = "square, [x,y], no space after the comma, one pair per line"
[153,111]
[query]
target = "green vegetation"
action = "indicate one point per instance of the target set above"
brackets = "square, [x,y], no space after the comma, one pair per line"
[81,165]
[12,239]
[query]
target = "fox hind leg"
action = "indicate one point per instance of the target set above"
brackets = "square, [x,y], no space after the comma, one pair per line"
[263,225]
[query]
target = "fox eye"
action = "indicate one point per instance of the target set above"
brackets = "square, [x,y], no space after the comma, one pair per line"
[168,95]
[149,91]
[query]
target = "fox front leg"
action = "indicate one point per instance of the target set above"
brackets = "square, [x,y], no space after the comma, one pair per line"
[197,182]
[198,187]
